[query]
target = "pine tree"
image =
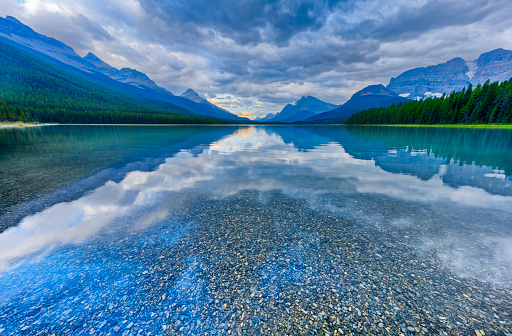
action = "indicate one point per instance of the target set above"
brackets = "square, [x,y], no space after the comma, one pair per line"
[6,114]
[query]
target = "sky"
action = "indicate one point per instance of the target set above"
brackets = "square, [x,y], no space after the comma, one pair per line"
[253,57]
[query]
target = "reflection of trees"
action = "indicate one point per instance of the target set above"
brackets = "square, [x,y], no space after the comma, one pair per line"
[470,154]
[482,147]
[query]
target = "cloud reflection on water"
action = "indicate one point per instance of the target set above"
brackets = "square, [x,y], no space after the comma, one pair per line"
[326,176]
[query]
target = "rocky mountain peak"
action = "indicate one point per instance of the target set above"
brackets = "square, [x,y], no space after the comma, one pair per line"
[379,90]
[192,95]
[134,73]
[457,60]
[494,57]
[302,109]
[303,100]
[308,100]
[190,92]
[90,57]
[13,19]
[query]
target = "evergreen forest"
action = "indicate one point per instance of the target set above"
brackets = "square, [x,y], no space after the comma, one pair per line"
[490,103]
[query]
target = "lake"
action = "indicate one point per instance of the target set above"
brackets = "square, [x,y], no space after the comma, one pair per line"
[245,230]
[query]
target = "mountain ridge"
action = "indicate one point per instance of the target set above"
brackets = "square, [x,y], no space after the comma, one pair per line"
[52,91]
[265,118]
[125,75]
[302,109]
[371,96]
[15,31]
[195,97]
[443,78]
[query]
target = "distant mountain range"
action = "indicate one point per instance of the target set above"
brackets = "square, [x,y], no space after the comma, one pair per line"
[266,118]
[303,109]
[37,87]
[432,81]
[137,83]
[370,96]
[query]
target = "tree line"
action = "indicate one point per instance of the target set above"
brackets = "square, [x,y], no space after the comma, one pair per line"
[490,103]
[22,112]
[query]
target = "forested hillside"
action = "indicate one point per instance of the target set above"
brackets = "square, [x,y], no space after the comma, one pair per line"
[490,103]
[34,89]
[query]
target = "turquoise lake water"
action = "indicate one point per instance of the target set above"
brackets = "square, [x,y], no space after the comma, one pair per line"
[247,230]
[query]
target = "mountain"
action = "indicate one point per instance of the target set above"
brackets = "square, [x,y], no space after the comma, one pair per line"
[495,65]
[195,97]
[369,97]
[125,75]
[38,87]
[304,108]
[453,75]
[219,111]
[266,118]
[431,81]
[490,103]
[16,31]
[137,83]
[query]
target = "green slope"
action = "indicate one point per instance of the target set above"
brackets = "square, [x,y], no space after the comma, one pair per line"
[36,89]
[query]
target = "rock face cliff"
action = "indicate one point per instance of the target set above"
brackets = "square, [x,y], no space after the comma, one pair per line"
[433,80]
[453,75]
[495,66]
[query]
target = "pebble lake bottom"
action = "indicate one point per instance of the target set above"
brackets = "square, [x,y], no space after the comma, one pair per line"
[258,231]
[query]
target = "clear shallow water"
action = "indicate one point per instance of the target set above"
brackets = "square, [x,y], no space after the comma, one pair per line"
[41,166]
[284,230]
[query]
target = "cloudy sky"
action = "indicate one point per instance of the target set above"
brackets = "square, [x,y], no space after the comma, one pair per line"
[253,57]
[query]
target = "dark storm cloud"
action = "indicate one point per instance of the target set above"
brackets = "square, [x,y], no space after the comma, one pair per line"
[300,62]
[93,28]
[246,22]
[410,22]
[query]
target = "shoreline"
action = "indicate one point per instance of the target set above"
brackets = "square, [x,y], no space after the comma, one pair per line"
[9,125]
[504,126]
